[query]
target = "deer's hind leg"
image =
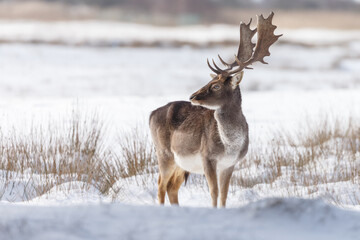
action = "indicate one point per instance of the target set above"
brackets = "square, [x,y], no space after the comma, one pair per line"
[166,170]
[174,185]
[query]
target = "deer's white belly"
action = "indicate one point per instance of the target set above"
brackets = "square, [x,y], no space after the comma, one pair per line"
[190,163]
[228,160]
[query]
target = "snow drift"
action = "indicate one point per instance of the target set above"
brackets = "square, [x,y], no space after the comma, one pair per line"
[265,219]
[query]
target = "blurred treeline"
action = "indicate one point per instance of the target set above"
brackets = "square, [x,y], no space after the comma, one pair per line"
[203,5]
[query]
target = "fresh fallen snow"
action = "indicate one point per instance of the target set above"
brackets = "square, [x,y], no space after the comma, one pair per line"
[111,33]
[142,190]
[59,71]
[315,37]
[265,219]
[70,193]
[118,33]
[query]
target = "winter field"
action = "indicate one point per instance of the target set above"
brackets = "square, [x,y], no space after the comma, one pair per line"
[76,160]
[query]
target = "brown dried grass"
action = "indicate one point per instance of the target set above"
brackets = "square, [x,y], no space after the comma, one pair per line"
[75,151]
[302,155]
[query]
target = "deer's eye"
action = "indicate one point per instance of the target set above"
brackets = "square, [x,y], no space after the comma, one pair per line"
[215,87]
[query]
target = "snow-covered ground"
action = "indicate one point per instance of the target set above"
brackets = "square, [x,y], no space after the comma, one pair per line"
[310,75]
[267,219]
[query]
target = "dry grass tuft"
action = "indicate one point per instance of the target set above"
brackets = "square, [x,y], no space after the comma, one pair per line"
[315,156]
[54,155]
[137,153]
[74,150]
[57,154]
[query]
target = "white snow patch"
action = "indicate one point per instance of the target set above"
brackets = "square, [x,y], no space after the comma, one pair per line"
[275,218]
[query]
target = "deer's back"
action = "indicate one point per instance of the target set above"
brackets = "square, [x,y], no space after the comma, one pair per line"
[183,128]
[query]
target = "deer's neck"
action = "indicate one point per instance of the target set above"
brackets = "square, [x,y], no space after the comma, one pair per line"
[232,125]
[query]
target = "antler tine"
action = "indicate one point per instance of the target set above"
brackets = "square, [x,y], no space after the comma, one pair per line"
[238,61]
[223,62]
[219,69]
[212,69]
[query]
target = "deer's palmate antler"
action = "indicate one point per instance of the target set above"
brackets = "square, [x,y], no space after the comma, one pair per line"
[209,134]
[246,54]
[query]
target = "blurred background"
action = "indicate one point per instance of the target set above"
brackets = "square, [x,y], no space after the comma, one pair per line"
[108,48]
[290,13]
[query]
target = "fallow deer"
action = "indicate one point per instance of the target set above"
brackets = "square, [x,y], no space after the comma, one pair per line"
[210,134]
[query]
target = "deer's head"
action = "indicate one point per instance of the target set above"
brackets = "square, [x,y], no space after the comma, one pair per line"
[225,82]
[217,92]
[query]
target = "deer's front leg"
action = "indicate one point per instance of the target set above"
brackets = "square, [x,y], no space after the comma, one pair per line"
[211,178]
[224,181]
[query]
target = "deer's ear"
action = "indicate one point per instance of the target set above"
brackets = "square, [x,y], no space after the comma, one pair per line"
[236,79]
[212,75]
